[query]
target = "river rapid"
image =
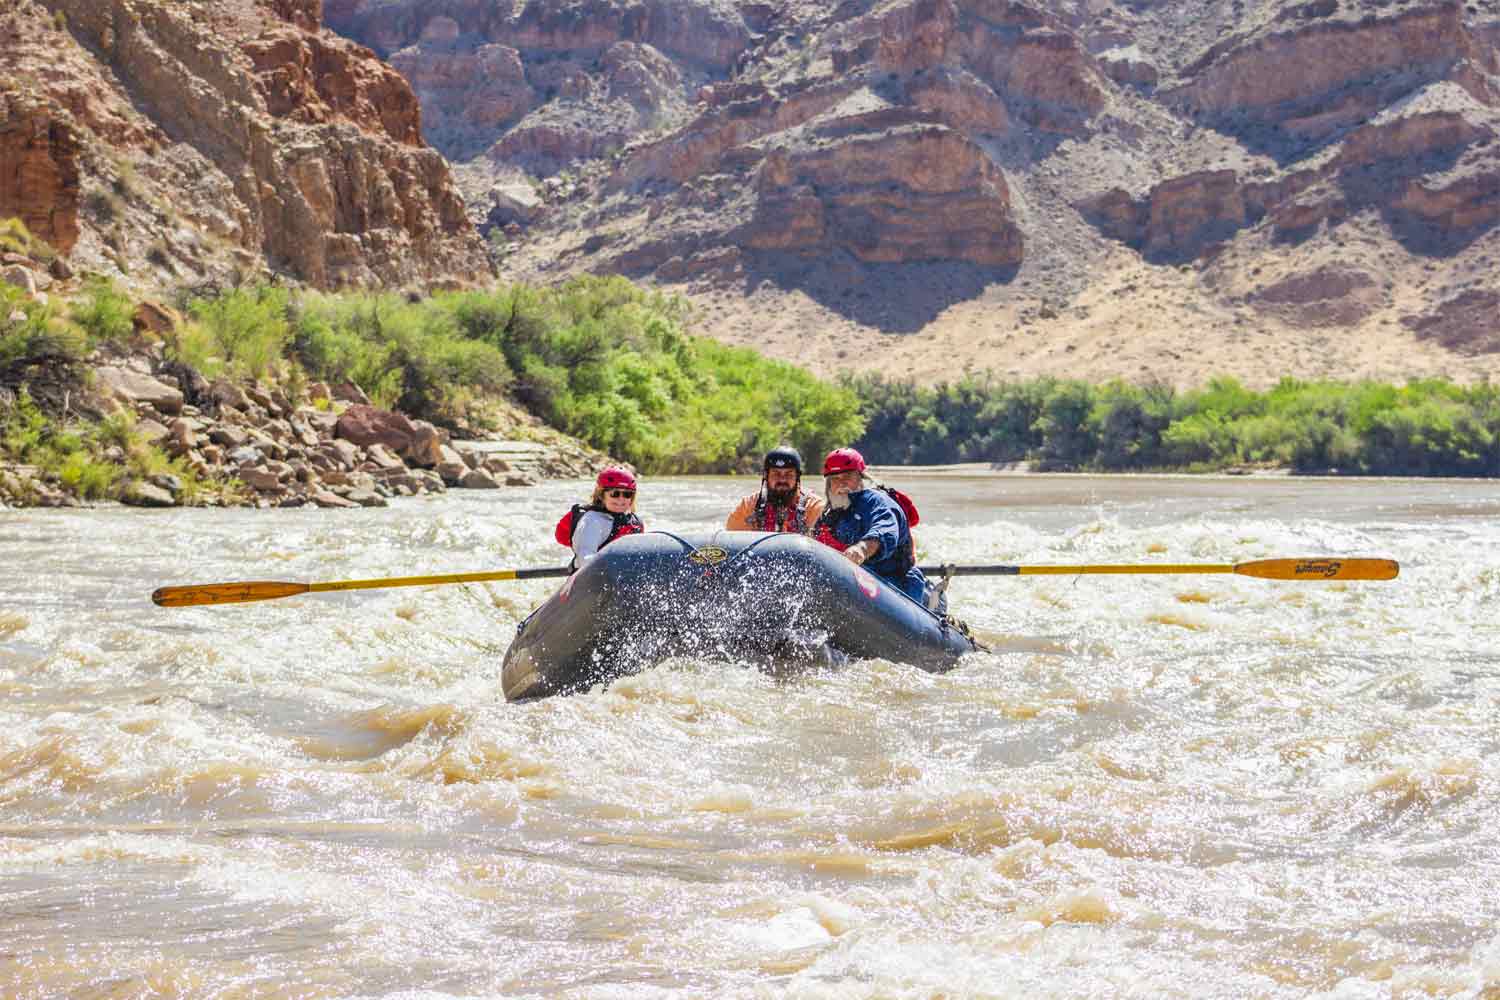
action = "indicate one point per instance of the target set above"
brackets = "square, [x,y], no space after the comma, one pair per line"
[1172,786]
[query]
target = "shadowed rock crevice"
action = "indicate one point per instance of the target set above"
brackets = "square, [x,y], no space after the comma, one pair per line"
[896,299]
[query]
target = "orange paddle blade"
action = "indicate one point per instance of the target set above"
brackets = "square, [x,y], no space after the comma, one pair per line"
[225,593]
[1320,568]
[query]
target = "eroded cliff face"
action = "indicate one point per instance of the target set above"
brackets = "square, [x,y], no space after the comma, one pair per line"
[39,168]
[1094,187]
[1076,186]
[196,141]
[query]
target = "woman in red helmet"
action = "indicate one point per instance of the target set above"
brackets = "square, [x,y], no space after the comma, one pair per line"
[870,524]
[609,514]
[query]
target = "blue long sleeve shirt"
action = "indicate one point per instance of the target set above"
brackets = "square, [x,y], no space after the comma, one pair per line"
[874,516]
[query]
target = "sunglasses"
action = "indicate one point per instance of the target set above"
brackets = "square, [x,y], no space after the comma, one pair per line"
[620,494]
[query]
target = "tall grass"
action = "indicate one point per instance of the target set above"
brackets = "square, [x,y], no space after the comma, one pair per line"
[36,335]
[104,312]
[16,238]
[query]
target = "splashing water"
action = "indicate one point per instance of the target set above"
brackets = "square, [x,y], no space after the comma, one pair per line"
[1152,786]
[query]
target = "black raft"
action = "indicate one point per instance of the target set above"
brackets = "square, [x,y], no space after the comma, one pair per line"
[741,595]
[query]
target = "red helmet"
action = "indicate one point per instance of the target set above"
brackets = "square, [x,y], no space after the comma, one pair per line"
[615,478]
[843,460]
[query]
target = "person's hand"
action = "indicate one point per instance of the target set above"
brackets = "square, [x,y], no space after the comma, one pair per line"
[857,553]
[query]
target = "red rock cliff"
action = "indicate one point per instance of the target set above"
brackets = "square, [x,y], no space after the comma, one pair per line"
[200,138]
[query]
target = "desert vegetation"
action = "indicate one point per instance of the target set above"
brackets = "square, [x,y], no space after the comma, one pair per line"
[1429,427]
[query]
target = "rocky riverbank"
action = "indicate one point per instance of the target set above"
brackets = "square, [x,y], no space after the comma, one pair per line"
[249,444]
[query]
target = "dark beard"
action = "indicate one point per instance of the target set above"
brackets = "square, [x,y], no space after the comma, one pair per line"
[781,498]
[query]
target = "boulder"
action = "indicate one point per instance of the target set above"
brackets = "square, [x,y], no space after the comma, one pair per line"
[165,480]
[151,431]
[229,436]
[367,425]
[139,494]
[478,479]
[134,388]
[260,478]
[426,445]
[155,318]
[452,473]
[245,455]
[366,497]
[325,498]
[226,393]
[385,459]
[348,392]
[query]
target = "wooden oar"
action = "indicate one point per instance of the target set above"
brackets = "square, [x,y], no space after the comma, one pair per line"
[265,590]
[1306,568]
[1309,568]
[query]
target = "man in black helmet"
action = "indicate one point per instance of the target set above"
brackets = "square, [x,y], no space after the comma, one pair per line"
[780,504]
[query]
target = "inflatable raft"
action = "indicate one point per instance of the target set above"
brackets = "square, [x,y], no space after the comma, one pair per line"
[741,595]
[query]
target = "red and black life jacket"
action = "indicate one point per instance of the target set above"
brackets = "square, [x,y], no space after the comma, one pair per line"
[767,517]
[905,555]
[624,524]
[904,502]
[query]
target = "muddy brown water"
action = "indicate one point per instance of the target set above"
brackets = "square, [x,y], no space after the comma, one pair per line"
[1195,786]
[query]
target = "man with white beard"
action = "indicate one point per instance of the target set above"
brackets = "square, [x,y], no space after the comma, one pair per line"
[780,504]
[869,524]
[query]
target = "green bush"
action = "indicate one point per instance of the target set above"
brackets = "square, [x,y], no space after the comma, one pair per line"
[245,332]
[1427,427]
[23,428]
[38,337]
[1200,439]
[1429,435]
[104,312]
[85,476]
[1128,422]
[596,357]
[419,357]
[16,238]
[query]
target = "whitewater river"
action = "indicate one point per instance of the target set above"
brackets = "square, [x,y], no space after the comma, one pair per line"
[1192,786]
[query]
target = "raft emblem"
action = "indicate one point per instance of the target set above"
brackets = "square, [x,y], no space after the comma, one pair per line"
[867,583]
[708,555]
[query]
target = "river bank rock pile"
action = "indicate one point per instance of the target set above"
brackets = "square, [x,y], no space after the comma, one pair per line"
[332,449]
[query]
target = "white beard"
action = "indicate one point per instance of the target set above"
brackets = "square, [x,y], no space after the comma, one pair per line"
[837,501]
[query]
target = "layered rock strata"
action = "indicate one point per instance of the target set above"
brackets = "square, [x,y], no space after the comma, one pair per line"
[880,167]
[196,139]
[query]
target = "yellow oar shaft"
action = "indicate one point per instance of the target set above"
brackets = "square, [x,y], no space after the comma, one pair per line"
[1303,568]
[414,581]
[1123,568]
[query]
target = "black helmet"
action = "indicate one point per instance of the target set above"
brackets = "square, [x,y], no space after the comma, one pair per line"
[784,457]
